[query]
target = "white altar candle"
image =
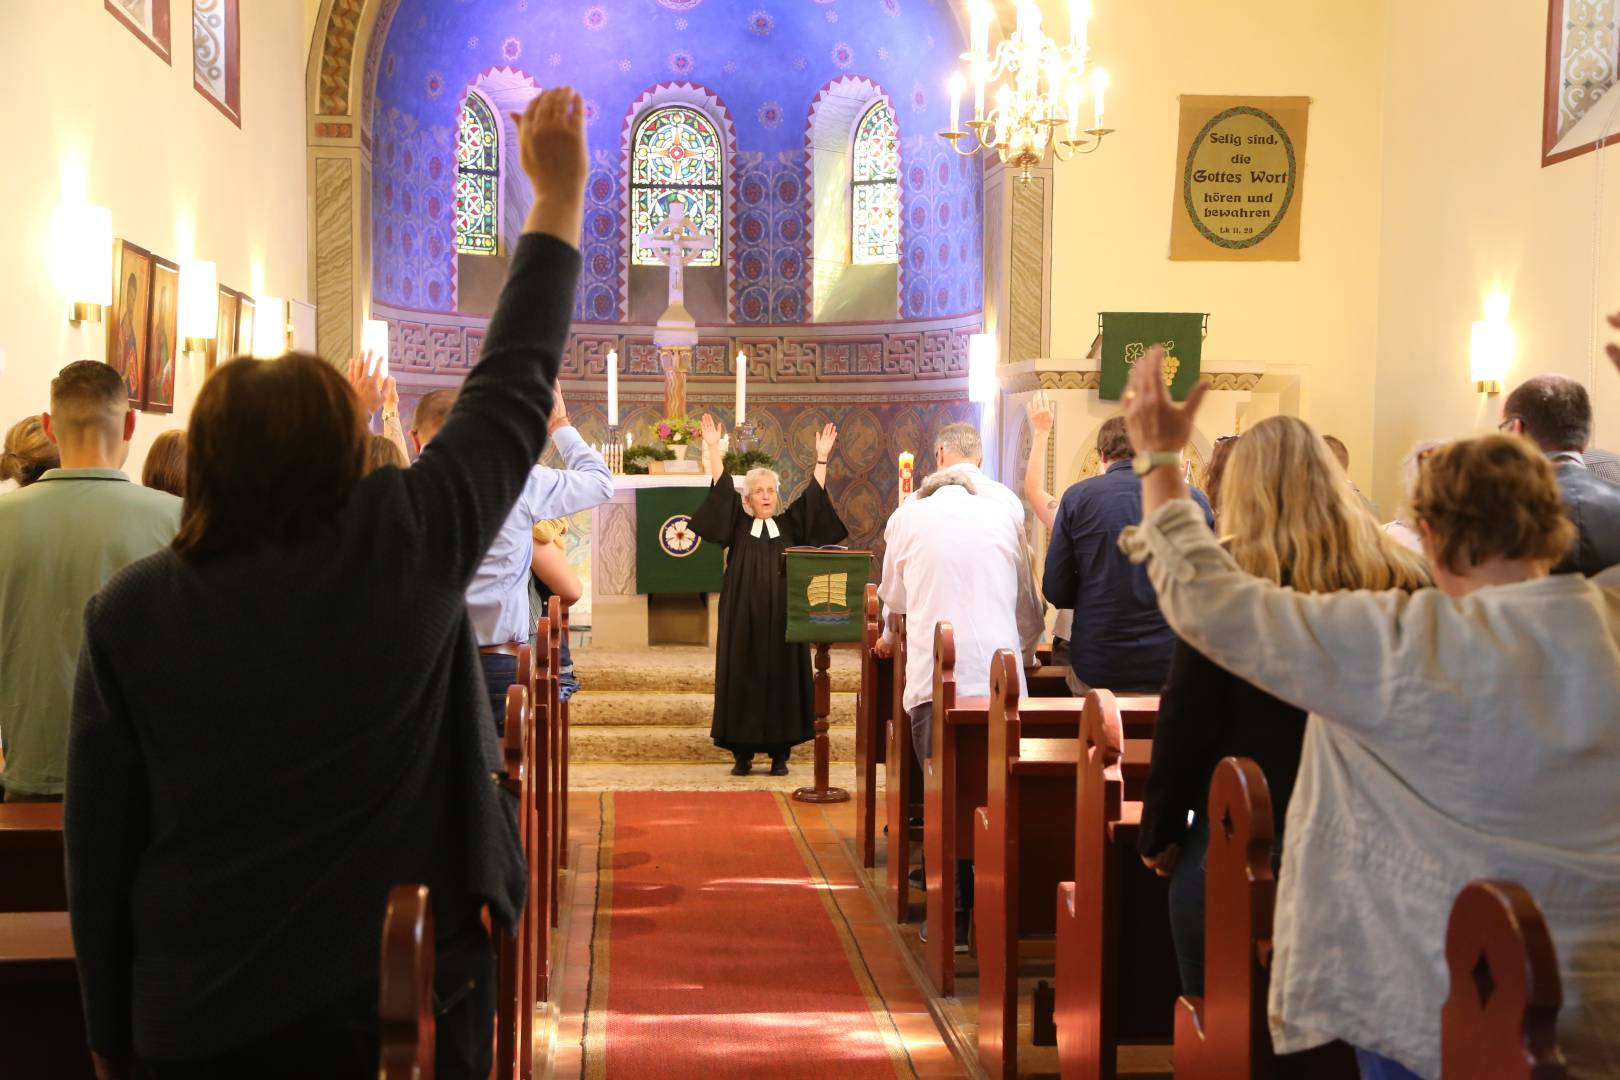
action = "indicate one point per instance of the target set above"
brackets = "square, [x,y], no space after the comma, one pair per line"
[613,388]
[1099,83]
[956,101]
[742,387]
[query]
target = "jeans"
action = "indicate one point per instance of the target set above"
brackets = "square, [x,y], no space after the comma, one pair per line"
[340,1040]
[1378,1067]
[500,672]
[922,730]
[1187,907]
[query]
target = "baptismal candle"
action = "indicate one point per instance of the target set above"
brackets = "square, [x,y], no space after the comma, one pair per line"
[907,459]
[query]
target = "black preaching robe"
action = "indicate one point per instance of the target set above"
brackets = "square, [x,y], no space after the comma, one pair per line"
[762,688]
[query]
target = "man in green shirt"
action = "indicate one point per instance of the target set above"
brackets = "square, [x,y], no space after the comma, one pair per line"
[61,538]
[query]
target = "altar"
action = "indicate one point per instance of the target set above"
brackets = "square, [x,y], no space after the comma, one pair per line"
[622,617]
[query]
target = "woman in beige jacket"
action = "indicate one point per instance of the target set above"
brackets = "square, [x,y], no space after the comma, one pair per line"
[1467,731]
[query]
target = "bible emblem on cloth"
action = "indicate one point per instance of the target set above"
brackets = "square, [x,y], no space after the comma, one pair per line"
[829,598]
[1137,349]
[676,537]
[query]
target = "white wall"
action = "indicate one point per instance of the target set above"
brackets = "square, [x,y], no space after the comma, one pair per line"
[1111,229]
[96,116]
[1468,208]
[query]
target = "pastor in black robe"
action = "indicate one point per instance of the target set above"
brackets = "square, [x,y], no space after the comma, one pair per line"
[762,687]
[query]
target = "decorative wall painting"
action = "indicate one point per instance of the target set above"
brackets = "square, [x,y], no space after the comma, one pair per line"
[127,324]
[161,337]
[147,20]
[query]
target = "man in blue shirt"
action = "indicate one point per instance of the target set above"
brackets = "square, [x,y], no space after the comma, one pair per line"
[1120,640]
[498,598]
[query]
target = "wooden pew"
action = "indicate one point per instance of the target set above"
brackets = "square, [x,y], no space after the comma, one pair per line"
[902,779]
[1047,679]
[1116,967]
[41,1018]
[874,705]
[561,824]
[954,786]
[1500,1021]
[405,1021]
[557,738]
[513,1002]
[1025,846]
[536,673]
[1224,1035]
[33,873]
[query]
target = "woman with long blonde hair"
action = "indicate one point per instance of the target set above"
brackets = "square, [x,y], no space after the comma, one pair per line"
[1287,513]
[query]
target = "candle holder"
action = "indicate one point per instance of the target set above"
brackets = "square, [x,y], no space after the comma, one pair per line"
[747,434]
[613,452]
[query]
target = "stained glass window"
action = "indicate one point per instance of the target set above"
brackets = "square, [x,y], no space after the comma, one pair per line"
[477,178]
[676,157]
[875,219]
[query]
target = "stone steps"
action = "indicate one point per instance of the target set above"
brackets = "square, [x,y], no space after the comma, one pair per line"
[686,669]
[672,744]
[641,708]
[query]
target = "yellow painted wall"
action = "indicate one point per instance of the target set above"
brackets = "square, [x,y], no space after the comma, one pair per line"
[1111,228]
[1467,207]
[91,108]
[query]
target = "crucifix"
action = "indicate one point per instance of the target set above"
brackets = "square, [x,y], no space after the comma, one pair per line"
[678,241]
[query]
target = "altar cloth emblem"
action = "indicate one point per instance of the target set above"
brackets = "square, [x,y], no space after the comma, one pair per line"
[676,537]
[830,593]
[1137,349]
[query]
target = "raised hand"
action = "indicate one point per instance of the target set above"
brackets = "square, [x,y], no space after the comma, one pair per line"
[559,408]
[365,375]
[711,431]
[1612,349]
[1153,420]
[551,134]
[1041,413]
[390,396]
[824,442]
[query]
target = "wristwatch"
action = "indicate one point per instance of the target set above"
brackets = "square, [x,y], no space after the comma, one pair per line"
[1147,460]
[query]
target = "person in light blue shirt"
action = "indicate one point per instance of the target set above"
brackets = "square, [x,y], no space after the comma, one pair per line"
[498,599]
[61,538]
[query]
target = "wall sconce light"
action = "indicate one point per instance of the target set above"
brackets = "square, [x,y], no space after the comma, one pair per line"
[87,267]
[374,339]
[1492,347]
[199,304]
[982,383]
[269,327]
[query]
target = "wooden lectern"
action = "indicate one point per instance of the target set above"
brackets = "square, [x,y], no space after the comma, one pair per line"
[825,587]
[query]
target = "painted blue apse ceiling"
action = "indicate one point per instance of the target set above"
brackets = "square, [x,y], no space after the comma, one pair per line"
[765,60]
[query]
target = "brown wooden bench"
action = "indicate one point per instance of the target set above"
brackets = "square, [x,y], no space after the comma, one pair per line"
[1500,1021]
[903,780]
[557,740]
[1116,967]
[560,826]
[954,787]
[874,706]
[41,1019]
[1046,679]
[405,1020]
[536,673]
[1025,846]
[33,875]
[513,1000]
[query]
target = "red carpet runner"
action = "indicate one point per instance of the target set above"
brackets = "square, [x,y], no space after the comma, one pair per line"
[718,952]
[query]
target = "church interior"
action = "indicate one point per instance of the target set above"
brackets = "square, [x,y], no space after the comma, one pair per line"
[1033,363]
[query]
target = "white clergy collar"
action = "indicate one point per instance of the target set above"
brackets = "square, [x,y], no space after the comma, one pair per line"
[765,525]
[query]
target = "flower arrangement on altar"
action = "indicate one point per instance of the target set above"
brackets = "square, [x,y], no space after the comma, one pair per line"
[677,430]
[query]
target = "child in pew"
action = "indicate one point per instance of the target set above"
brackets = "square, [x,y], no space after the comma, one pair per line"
[550,575]
[1467,731]
[282,716]
[1286,514]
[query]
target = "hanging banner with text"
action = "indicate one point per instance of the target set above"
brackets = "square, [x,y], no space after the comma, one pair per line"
[1241,186]
[1128,335]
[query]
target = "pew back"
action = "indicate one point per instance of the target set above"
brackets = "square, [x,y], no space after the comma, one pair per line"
[1500,1021]
[32,869]
[874,705]
[405,986]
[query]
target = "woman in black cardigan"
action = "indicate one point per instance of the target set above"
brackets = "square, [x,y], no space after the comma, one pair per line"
[282,716]
[1288,513]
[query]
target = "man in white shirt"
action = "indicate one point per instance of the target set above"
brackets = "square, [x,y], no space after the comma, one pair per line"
[498,598]
[949,557]
[958,448]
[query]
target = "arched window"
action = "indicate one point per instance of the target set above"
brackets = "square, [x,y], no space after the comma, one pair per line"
[875,207]
[675,154]
[478,161]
